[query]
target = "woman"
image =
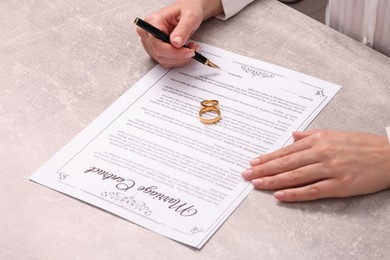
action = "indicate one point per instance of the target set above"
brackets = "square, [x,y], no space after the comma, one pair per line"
[320,163]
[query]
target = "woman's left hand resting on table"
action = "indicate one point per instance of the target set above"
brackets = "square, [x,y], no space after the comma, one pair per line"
[324,164]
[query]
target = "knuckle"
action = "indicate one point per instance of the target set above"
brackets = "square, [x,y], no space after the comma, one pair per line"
[264,158]
[150,18]
[330,156]
[313,192]
[320,134]
[322,151]
[165,65]
[159,56]
[323,148]
[258,172]
[284,163]
[344,182]
[139,31]
[320,137]
[193,14]
[294,176]
[270,183]
[285,151]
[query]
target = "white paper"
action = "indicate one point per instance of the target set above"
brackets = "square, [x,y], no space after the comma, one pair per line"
[150,160]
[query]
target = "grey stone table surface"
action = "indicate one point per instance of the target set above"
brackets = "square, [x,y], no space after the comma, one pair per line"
[63,62]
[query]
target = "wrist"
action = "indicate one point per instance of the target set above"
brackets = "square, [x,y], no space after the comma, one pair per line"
[208,8]
[211,8]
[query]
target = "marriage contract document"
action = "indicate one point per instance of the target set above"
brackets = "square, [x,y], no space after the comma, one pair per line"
[149,159]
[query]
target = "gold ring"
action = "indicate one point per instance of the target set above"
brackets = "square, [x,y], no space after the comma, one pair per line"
[213,109]
[209,103]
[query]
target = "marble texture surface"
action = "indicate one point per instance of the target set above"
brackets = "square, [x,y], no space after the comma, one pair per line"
[63,62]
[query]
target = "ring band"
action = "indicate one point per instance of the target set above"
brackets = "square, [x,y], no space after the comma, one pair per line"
[209,109]
[209,103]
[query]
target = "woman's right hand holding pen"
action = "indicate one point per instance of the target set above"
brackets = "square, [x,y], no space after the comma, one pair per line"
[180,20]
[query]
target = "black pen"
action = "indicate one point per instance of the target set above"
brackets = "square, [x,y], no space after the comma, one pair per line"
[165,38]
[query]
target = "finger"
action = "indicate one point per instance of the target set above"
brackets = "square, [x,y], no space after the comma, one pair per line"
[298,135]
[168,63]
[319,190]
[295,147]
[164,53]
[194,46]
[162,50]
[141,32]
[172,57]
[281,165]
[162,20]
[185,28]
[294,178]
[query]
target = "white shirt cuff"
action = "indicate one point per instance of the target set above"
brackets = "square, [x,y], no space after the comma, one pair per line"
[388,133]
[231,7]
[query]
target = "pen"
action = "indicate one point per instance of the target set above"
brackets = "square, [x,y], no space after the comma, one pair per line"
[165,38]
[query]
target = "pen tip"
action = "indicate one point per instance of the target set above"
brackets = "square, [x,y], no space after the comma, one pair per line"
[212,65]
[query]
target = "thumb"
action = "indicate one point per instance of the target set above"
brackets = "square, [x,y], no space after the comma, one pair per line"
[185,28]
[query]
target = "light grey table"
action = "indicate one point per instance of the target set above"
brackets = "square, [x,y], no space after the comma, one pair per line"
[63,62]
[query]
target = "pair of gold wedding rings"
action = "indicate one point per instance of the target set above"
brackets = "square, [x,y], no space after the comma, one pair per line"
[209,107]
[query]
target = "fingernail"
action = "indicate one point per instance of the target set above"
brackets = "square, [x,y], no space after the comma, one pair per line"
[257,182]
[254,162]
[279,194]
[247,174]
[178,40]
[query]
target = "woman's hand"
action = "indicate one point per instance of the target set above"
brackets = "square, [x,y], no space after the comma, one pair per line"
[323,164]
[180,20]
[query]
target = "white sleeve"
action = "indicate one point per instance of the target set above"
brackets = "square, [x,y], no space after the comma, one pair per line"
[231,7]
